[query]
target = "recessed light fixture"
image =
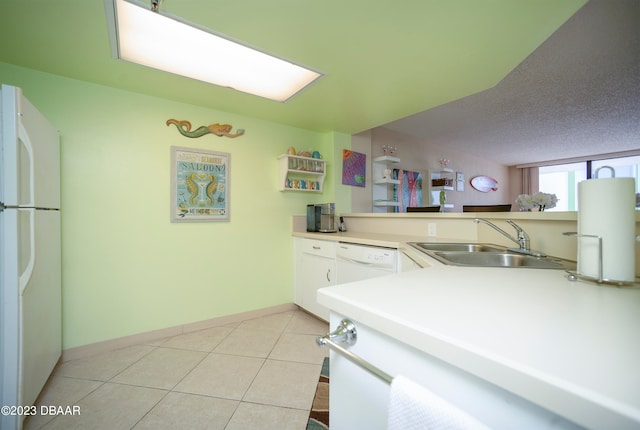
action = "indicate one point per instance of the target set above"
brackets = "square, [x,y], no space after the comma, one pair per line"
[156,39]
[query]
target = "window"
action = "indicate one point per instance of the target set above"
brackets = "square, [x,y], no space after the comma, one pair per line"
[626,167]
[562,179]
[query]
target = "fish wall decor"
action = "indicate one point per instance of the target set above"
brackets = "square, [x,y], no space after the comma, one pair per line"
[220,130]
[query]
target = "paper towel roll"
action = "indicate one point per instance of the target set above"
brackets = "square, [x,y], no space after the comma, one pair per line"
[606,208]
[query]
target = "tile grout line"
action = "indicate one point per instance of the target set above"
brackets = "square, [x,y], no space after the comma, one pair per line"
[286,328]
[282,332]
[258,372]
[207,354]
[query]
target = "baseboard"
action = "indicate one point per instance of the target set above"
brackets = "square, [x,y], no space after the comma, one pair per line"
[150,336]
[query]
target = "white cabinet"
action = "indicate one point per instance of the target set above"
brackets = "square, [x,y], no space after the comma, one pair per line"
[384,189]
[315,269]
[441,181]
[358,399]
[301,173]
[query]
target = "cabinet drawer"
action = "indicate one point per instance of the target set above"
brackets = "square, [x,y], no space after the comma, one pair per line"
[322,248]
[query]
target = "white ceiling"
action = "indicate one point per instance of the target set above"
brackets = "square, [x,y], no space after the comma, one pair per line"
[578,94]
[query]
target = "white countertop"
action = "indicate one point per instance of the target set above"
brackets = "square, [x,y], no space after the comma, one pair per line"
[387,240]
[571,347]
[373,239]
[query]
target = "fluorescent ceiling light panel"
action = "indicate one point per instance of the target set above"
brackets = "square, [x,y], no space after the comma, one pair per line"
[164,42]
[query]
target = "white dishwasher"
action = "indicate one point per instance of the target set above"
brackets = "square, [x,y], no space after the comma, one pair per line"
[358,262]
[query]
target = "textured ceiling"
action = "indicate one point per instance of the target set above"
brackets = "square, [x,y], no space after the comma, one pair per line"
[383,60]
[476,76]
[577,95]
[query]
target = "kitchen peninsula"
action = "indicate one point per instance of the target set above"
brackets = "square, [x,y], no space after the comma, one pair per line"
[523,347]
[545,229]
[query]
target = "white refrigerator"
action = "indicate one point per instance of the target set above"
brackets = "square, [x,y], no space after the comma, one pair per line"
[30,272]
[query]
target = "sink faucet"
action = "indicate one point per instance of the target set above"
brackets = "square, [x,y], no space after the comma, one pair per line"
[522,240]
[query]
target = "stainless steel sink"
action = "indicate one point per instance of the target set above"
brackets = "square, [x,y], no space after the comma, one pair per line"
[462,247]
[502,259]
[488,255]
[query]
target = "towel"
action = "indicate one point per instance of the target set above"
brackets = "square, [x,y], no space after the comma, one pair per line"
[413,407]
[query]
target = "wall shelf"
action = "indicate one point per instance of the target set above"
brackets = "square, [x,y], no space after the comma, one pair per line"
[441,180]
[383,183]
[387,181]
[386,203]
[301,173]
[387,159]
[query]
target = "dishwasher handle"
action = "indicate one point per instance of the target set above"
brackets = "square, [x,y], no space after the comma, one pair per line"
[351,260]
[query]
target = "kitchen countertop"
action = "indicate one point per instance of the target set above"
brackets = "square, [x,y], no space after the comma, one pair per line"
[571,347]
[386,240]
[373,239]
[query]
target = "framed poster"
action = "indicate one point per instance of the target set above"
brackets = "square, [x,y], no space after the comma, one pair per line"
[353,168]
[199,185]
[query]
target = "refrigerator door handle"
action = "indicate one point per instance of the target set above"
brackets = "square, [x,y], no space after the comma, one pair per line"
[25,276]
[23,138]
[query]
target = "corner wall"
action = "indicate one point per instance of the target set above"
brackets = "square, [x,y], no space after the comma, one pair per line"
[126,268]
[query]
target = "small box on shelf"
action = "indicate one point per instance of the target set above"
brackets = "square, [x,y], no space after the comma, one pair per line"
[442,179]
[442,182]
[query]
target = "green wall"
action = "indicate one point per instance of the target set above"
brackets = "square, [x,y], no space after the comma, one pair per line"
[126,268]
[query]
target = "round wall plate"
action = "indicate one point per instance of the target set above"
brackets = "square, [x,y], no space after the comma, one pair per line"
[484,184]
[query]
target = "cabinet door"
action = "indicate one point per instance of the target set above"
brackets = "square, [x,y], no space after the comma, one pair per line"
[313,273]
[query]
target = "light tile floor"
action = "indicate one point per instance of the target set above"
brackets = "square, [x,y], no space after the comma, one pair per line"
[259,373]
